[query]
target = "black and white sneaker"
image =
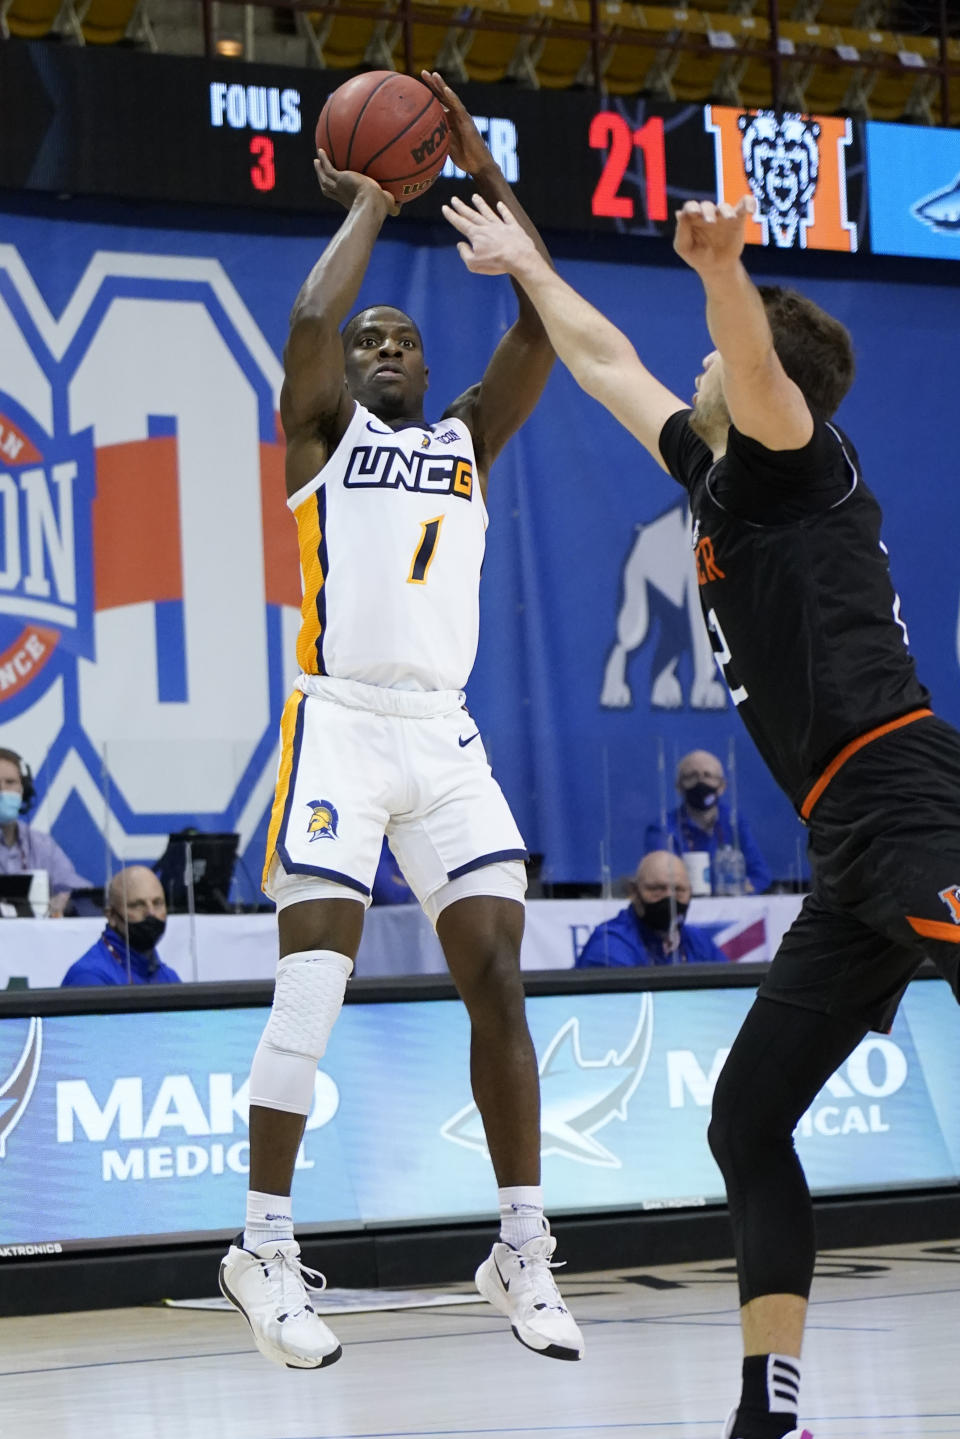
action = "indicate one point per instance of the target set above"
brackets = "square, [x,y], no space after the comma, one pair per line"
[268,1287]
[519,1284]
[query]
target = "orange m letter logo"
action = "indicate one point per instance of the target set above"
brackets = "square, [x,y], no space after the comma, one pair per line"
[795,166]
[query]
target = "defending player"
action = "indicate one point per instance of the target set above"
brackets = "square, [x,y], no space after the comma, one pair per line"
[806,628]
[375,738]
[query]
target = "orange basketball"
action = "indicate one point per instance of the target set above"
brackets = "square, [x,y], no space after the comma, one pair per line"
[387,126]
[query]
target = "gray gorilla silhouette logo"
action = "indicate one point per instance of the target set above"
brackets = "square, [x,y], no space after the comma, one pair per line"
[781,160]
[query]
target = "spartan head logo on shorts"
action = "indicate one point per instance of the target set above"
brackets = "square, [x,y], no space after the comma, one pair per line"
[323,820]
[781,160]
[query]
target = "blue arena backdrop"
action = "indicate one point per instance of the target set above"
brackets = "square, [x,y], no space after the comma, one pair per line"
[149,589]
[122,1126]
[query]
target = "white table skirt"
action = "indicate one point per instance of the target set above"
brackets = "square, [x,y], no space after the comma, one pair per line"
[397,939]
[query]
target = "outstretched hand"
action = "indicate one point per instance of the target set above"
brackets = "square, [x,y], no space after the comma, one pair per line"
[711,237]
[345,186]
[494,243]
[468,148]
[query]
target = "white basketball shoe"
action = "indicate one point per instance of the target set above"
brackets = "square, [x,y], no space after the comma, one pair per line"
[518,1283]
[794,1433]
[268,1286]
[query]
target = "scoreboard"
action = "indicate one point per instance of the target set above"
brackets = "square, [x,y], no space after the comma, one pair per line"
[190,131]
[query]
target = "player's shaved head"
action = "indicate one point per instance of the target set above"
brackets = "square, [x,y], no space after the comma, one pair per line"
[377,315]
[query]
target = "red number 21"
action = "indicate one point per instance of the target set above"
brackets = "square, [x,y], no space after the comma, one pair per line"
[608,129]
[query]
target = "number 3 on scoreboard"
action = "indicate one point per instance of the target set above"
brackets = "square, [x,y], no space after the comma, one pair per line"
[722,655]
[423,556]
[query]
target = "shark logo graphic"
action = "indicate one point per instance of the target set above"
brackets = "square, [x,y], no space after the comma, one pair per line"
[941,210]
[17,1089]
[578,1096]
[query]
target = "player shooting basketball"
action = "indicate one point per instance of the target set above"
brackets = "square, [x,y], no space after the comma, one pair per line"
[806,627]
[375,738]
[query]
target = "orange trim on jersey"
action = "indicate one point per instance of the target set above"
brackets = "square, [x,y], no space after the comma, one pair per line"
[838,761]
[935,929]
[288,725]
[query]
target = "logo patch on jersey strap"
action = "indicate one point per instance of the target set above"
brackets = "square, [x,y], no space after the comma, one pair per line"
[449,437]
[706,561]
[323,820]
[951,898]
[387,467]
[425,443]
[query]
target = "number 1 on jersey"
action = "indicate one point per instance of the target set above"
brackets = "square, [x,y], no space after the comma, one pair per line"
[422,560]
[722,655]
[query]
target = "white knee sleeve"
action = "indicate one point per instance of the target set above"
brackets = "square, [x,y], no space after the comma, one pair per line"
[306,1001]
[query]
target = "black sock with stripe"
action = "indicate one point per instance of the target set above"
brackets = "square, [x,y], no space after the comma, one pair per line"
[770,1397]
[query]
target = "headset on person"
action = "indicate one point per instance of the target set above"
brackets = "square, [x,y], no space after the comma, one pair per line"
[26,779]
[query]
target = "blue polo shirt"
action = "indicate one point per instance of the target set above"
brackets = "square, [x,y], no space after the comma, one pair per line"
[106,963]
[681,836]
[626,941]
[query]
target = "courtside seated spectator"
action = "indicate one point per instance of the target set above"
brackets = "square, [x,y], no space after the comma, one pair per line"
[652,929]
[126,952]
[23,848]
[702,822]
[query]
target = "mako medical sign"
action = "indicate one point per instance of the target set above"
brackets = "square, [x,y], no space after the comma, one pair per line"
[117,1127]
[914,189]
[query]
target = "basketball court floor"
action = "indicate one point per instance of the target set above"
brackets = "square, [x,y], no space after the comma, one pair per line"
[662,1362]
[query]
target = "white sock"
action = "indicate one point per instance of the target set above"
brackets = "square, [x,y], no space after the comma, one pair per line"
[269,1216]
[521,1213]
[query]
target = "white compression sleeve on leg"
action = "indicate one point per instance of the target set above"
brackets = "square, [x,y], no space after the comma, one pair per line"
[306,1001]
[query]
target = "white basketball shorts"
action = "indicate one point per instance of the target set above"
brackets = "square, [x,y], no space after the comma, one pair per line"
[358,762]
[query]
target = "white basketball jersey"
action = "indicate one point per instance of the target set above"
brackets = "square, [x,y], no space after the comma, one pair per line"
[392,534]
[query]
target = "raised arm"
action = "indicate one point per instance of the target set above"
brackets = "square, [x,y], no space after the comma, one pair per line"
[763,401]
[520,365]
[315,407]
[599,356]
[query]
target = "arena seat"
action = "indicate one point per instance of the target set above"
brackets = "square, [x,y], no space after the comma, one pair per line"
[560,61]
[493,55]
[107,22]
[624,65]
[33,19]
[435,46]
[342,42]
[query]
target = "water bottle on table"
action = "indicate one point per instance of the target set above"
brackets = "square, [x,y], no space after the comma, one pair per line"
[729,871]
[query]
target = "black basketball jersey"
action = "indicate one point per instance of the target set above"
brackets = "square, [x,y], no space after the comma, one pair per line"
[796,591]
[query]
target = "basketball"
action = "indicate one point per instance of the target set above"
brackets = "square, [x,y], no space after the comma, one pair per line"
[388,126]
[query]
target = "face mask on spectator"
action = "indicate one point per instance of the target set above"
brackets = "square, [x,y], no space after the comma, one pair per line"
[146,933]
[10,802]
[662,914]
[702,795]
